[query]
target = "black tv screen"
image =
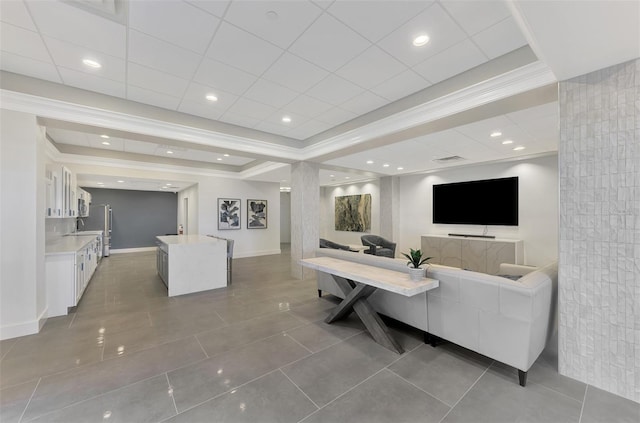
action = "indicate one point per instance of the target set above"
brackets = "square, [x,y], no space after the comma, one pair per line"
[486,202]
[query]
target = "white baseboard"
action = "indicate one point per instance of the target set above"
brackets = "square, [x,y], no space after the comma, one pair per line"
[24,328]
[256,253]
[132,250]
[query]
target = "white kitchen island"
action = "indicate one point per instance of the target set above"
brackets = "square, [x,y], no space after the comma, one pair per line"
[191,263]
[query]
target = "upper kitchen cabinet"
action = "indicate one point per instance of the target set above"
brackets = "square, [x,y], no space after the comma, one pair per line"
[84,200]
[60,192]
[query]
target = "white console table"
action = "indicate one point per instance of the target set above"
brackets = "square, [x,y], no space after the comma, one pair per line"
[477,254]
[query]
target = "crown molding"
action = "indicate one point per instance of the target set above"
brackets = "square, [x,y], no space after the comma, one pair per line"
[82,114]
[517,81]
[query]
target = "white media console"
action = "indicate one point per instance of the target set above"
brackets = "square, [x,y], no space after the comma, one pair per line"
[477,254]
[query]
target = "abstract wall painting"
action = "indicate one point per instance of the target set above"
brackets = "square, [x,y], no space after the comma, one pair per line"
[353,213]
[228,213]
[257,214]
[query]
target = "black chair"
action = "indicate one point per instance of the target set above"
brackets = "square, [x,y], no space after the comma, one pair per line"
[378,246]
[325,243]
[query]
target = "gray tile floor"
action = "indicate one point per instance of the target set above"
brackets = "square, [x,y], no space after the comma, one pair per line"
[258,351]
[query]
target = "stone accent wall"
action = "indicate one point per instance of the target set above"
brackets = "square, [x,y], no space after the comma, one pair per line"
[305,216]
[599,273]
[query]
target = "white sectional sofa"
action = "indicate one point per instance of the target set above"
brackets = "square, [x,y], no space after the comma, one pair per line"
[506,320]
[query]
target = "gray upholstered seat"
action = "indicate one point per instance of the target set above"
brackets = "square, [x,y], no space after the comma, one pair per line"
[378,246]
[325,243]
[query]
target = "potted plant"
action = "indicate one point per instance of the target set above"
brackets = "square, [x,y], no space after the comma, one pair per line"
[415,261]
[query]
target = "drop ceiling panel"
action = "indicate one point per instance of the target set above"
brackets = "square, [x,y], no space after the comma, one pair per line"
[161,55]
[16,40]
[64,22]
[401,85]
[295,73]
[270,93]
[61,136]
[442,30]
[240,49]
[140,147]
[452,61]
[371,68]
[176,22]
[279,22]
[15,13]
[475,16]
[363,103]
[142,95]
[239,119]
[307,129]
[70,56]
[334,90]
[196,93]
[151,79]
[500,39]
[92,82]
[273,128]
[308,106]
[329,43]
[26,66]
[336,116]
[203,110]
[217,7]
[252,109]
[382,17]
[218,75]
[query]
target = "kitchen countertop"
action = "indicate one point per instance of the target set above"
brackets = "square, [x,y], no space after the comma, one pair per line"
[188,239]
[83,233]
[68,244]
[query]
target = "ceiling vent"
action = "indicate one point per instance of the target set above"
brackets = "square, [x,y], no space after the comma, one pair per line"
[449,159]
[116,10]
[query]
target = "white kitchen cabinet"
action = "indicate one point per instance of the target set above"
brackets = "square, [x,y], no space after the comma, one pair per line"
[60,192]
[69,268]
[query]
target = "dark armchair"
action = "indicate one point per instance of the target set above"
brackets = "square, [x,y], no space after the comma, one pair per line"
[325,243]
[378,246]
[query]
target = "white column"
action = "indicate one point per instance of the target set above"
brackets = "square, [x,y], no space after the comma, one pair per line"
[305,215]
[599,272]
[389,208]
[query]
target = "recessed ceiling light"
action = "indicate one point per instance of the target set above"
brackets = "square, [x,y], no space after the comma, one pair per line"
[385,165]
[100,183]
[121,182]
[421,40]
[286,119]
[332,176]
[505,142]
[495,134]
[106,143]
[211,97]
[346,177]
[168,185]
[518,148]
[91,63]
[219,159]
[369,161]
[169,152]
[400,168]
[272,15]
[104,136]
[226,155]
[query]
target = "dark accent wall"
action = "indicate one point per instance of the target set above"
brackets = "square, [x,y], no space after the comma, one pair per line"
[138,216]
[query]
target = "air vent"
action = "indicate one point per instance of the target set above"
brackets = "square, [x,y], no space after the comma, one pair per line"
[449,159]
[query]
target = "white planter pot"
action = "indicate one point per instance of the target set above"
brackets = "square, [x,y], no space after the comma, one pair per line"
[416,274]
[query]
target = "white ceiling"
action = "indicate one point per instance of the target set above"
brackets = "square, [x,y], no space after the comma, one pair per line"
[323,63]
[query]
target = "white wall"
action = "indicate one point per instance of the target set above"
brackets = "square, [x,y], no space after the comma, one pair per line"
[22,204]
[248,242]
[327,211]
[191,194]
[285,217]
[538,208]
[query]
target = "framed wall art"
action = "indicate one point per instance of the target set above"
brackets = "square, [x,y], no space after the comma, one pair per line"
[228,213]
[353,213]
[256,214]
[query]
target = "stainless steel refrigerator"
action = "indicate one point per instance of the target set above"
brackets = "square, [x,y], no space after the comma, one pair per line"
[100,219]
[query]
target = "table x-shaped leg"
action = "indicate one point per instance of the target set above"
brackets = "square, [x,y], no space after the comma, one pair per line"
[355,299]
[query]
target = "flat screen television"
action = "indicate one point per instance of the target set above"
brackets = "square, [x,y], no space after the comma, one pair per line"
[486,202]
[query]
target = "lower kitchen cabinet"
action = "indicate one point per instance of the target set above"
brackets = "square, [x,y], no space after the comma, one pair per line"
[68,274]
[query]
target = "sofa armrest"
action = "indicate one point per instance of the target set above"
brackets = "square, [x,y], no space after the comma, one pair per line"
[515,269]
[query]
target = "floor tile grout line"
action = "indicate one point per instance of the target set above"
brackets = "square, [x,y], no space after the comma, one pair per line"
[220,317]
[7,352]
[73,319]
[200,343]
[297,342]
[29,402]
[584,400]
[166,374]
[426,392]
[465,393]
[300,389]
